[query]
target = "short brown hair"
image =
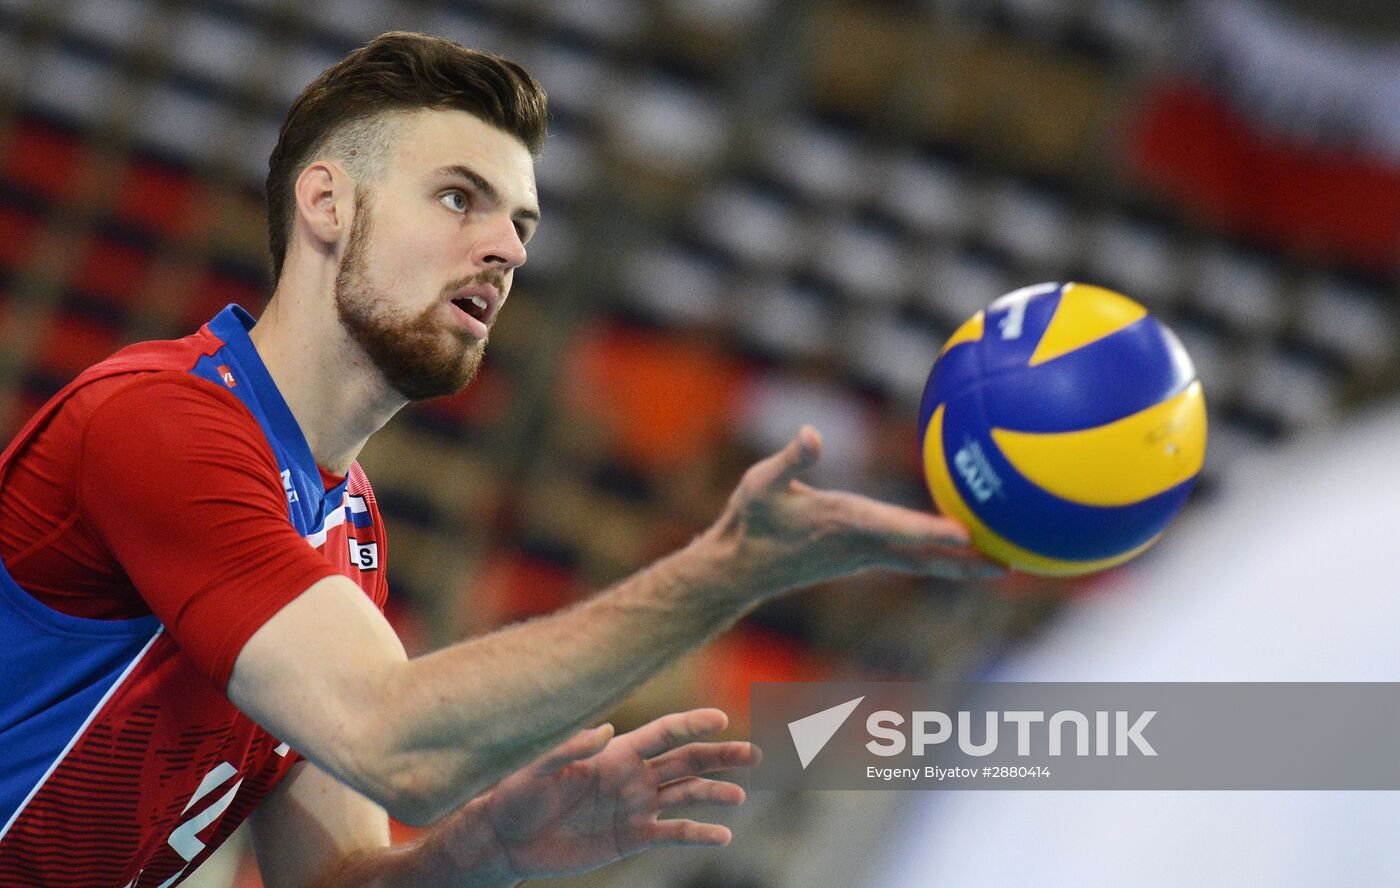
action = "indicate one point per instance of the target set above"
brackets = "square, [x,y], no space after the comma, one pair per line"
[397,71]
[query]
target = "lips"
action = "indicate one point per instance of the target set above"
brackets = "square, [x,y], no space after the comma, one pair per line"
[475,306]
[479,301]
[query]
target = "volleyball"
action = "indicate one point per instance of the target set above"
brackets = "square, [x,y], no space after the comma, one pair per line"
[1064,426]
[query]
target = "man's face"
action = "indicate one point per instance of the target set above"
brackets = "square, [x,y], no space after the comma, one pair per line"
[433,248]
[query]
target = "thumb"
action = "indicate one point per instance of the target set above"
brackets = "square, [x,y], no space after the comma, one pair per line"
[798,455]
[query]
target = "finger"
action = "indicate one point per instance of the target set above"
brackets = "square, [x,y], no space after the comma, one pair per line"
[703,758]
[909,539]
[972,566]
[800,454]
[947,562]
[582,745]
[700,791]
[687,832]
[677,729]
[937,558]
[885,522]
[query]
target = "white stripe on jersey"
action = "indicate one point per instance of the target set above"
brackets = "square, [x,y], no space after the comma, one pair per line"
[333,520]
[358,505]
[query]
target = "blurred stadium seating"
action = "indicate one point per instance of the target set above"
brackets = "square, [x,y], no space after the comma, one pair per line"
[757,213]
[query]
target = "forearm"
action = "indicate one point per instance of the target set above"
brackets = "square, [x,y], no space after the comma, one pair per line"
[460,718]
[419,737]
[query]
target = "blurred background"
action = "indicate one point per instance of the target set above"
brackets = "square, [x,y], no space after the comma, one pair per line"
[758,213]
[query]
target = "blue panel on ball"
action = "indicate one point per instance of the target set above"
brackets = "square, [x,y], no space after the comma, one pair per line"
[964,413]
[957,370]
[1013,507]
[1125,372]
[1014,327]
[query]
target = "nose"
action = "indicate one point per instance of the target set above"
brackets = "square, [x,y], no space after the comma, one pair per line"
[499,245]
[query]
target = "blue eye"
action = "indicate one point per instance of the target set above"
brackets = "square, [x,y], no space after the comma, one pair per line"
[455,201]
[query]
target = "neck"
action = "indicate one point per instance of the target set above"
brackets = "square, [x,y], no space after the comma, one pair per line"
[338,396]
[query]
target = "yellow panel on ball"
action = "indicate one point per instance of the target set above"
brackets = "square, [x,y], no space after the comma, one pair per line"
[991,544]
[970,331]
[1085,314]
[1120,463]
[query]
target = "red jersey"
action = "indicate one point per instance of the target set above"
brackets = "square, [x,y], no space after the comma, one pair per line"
[155,514]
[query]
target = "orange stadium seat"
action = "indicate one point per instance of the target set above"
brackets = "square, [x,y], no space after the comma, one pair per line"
[664,398]
[748,654]
[112,272]
[18,231]
[160,199]
[73,344]
[215,290]
[485,403]
[513,585]
[43,159]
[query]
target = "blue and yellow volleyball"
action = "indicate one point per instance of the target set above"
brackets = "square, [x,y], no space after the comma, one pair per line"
[1064,426]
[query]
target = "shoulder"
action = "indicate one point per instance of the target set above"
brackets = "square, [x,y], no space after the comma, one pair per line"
[164,398]
[167,390]
[166,413]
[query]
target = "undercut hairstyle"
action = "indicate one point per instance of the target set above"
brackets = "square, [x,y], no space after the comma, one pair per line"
[346,112]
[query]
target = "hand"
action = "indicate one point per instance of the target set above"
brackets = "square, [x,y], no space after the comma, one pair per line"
[785,534]
[598,798]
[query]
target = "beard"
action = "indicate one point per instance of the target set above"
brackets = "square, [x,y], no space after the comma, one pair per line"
[417,356]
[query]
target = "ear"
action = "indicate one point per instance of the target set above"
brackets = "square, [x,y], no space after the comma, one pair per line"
[325,198]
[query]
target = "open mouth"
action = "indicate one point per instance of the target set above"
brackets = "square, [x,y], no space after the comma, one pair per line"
[475,306]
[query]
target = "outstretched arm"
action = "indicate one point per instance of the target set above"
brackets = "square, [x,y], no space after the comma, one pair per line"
[594,799]
[422,736]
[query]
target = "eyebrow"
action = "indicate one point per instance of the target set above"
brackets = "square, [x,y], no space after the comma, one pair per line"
[487,189]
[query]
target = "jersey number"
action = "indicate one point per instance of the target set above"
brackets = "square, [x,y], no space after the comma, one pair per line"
[185,838]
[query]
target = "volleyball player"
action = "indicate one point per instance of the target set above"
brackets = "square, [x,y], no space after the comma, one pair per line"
[195,562]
